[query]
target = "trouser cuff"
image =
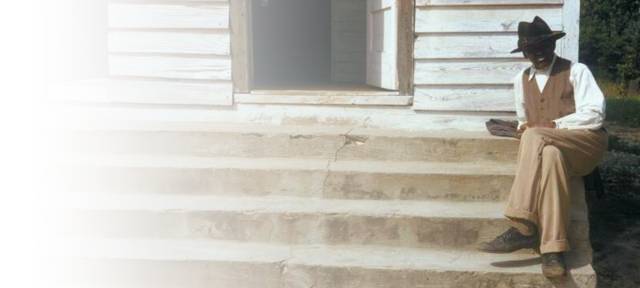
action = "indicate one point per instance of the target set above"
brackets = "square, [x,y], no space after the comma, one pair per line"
[555,246]
[515,214]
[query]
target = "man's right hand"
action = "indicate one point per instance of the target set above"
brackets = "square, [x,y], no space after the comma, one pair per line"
[521,129]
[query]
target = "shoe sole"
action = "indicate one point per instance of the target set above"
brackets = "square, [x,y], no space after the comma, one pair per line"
[553,272]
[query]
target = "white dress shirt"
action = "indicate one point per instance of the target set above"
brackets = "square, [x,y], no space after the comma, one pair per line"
[590,103]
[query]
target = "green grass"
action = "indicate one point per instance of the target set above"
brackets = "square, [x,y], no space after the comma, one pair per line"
[624,111]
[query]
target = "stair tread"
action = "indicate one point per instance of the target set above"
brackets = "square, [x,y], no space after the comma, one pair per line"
[369,256]
[267,129]
[298,205]
[369,166]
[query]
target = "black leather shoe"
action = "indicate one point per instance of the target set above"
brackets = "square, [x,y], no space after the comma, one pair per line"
[509,241]
[553,265]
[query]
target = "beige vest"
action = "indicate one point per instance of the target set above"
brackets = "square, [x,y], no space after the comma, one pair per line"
[555,101]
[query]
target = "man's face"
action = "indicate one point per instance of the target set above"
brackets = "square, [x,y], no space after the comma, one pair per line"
[540,54]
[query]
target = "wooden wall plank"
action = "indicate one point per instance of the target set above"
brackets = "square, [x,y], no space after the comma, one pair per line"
[468,72]
[241,45]
[462,50]
[169,42]
[165,92]
[464,98]
[444,46]
[145,92]
[406,46]
[188,15]
[569,45]
[483,19]
[200,68]
[486,2]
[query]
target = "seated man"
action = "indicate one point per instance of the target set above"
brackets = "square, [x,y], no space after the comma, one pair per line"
[560,111]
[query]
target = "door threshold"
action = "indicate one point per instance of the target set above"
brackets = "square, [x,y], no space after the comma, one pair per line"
[325,92]
[320,97]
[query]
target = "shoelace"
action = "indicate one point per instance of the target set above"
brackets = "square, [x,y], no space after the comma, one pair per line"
[508,235]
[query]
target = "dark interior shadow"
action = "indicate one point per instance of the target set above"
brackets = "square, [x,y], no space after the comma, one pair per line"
[612,221]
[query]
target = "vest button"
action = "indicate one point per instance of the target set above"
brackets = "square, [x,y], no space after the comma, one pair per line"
[542,100]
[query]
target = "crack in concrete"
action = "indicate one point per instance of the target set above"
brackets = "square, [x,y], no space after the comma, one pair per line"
[327,170]
[347,140]
[283,264]
[300,136]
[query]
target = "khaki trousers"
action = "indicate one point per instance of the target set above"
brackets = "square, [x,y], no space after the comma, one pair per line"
[540,193]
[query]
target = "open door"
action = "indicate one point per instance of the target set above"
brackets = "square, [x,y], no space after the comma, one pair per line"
[382,44]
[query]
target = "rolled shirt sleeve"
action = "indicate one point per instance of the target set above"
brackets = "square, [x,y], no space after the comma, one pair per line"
[519,99]
[590,103]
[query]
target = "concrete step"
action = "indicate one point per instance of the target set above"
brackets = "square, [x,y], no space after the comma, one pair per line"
[294,220]
[485,181]
[250,140]
[205,263]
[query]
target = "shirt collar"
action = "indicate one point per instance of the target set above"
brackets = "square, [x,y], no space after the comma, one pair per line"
[545,71]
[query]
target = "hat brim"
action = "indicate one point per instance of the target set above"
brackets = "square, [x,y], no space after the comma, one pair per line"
[553,36]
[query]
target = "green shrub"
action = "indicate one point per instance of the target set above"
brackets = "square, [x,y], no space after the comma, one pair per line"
[624,111]
[618,144]
[610,38]
[621,175]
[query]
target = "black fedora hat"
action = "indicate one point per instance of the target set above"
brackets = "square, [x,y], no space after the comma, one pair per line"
[535,32]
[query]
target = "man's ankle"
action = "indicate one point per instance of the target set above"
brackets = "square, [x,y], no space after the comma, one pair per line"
[528,228]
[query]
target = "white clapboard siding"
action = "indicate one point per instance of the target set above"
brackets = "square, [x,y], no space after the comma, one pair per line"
[483,19]
[144,92]
[468,72]
[160,66]
[462,52]
[444,46]
[173,40]
[165,92]
[174,15]
[461,98]
[569,45]
[485,2]
[170,42]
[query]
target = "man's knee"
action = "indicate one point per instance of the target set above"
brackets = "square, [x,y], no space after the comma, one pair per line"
[532,134]
[551,152]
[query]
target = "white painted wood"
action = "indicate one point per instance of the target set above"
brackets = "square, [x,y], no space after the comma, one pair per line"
[324,99]
[382,44]
[145,92]
[202,68]
[444,46]
[483,19]
[485,2]
[164,92]
[178,15]
[170,42]
[464,98]
[569,44]
[468,72]
[331,91]
[342,117]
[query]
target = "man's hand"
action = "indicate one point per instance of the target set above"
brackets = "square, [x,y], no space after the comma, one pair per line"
[521,129]
[524,126]
[550,124]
